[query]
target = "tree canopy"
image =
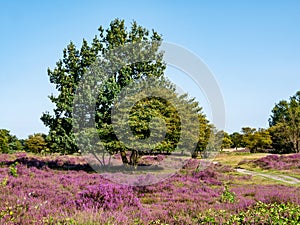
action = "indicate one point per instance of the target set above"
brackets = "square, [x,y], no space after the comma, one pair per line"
[70,71]
[285,125]
[36,143]
[8,142]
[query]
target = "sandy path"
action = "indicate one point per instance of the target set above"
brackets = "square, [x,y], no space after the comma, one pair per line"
[283,178]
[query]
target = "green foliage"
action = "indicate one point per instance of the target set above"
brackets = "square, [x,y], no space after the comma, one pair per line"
[8,142]
[227,196]
[285,125]
[260,213]
[205,131]
[158,221]
[144,112]
[157,115]
[280,142]
[11,213]
[236,139]
[256,140]
[226,140]
[36,143]
[13,170]
[4,141]
[4,181]
[70,70]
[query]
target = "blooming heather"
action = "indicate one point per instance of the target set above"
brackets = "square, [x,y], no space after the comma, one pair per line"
[63,189]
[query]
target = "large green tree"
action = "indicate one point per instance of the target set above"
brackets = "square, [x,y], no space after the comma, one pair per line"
[67,77]
[106,58]
[285,125]
[71,69]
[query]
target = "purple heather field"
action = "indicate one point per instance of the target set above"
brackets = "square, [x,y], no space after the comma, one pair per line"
[65,190]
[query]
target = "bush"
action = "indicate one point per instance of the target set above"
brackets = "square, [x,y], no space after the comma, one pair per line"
[283,162]
[36,143]
[260,213]
[8,142]
[106,196]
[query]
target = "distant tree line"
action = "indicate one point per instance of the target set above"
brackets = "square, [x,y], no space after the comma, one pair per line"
[282,136]
[8,142]
[256,140]
[35,143]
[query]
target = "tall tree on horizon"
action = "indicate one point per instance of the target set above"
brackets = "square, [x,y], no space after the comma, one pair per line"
[285,124]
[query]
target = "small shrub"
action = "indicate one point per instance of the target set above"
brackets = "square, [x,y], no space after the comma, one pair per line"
[106,196]
[37,144]
[4,181]
[13,170]
[228,196]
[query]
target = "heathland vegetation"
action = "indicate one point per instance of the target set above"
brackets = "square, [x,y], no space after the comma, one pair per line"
[44,179]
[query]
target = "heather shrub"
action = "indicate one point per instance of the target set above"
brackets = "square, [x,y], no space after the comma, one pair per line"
[151,159]
[208,176]
[43,193]
[107,196]
[283,162]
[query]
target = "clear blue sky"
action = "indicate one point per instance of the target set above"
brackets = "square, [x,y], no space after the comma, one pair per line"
[252,47]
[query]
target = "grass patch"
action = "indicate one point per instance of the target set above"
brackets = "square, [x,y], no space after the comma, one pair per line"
[233,159]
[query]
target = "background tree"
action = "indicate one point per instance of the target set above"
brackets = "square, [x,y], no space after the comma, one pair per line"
[281,144]
[226,140]
[263,140]
[36,143]
[256,140]
[8,142]
[237,140]
[248,137]
[205,130]
[285,125]
[4,141]
[212,140]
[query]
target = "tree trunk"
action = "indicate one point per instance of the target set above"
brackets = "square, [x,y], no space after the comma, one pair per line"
[134,158]
[123,156]
[195,154]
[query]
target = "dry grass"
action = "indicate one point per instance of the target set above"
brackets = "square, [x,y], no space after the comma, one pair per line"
[233,159]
